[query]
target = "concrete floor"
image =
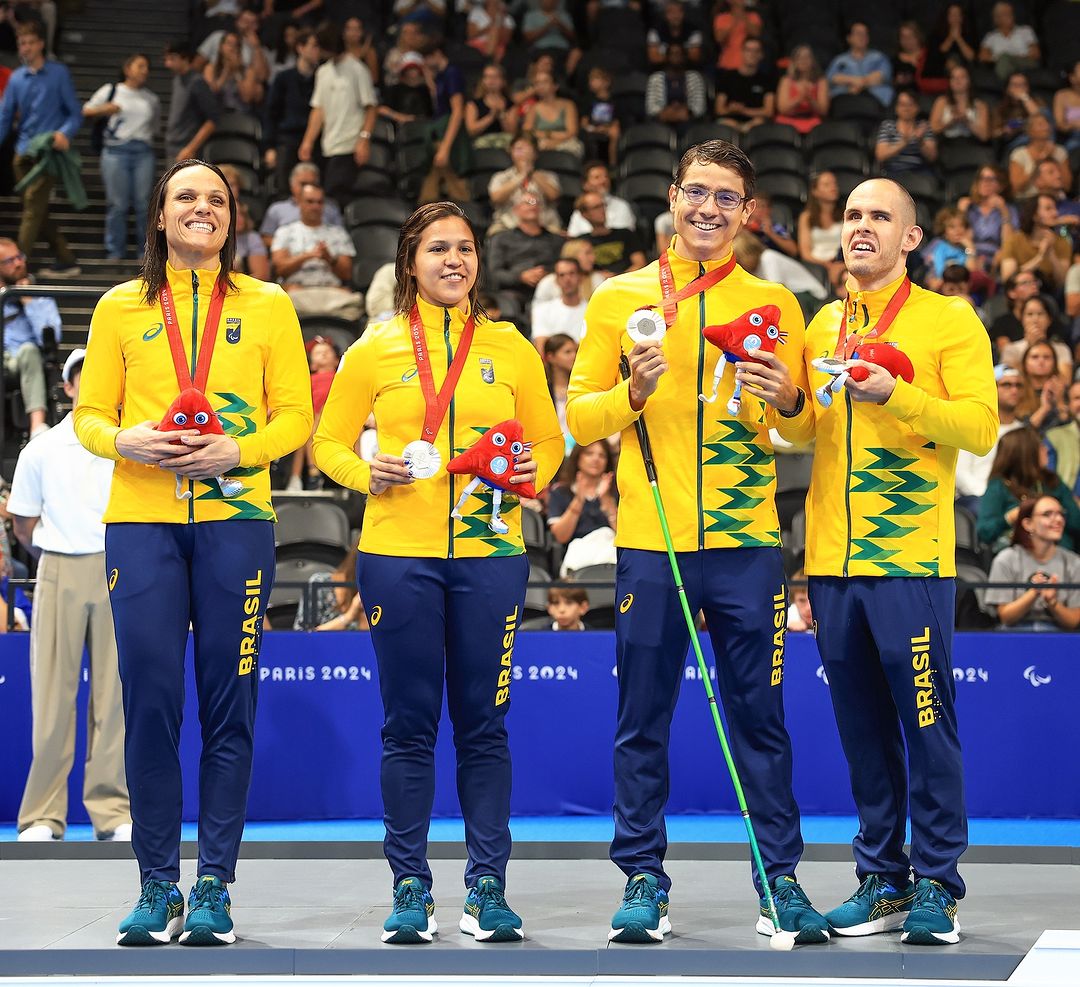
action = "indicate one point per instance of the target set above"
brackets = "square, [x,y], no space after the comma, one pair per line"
[312,916]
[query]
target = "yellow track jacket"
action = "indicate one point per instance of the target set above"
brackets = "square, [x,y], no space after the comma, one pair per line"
[259,385]
[715,472]
[502,378]
[882,486]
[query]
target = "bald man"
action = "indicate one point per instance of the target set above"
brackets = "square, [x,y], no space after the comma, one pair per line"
[880,559]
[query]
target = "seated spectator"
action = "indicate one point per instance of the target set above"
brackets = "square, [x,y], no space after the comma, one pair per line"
[336,608]
[522,91]
[1006,327]
[1072,296]
[379,299]
[600,127]
[552,120]
[1049,179]
[288,104]
[802,95]
[288,210]
[359,44]
[235,85]
[428,13]
[620,214]
[1020,472]
[519,257]
[450,146]
[992,219]
[1009,119]
[772,234]
[1039,245]
[734,25]
[617,251]
[771,265]
[907,63]
[676,95]
[1067,110]
[410,38]
[861,68]
[952,244]
[25,322]
[193,108]
[313,261]
[343,113]
[560,351]
[905,144]
[956,283]
[586,499]
[952,42]
[547,27]
[490,118]
[251,255]
[1040,322]
[489,28]
[820,226]
[253,53]
[523,176]
[958,114]
[1039,147]
[973,472]
[746,94]
[673,27]
[1044,404]
[564,315]
[1064,441]
[1036,557]
[409,98]
[800,617]
[566,605]
[323,359]
[581,250]
[131,114]
[1010,46]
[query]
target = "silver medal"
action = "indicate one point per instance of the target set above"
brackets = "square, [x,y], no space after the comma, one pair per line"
[646,326]
[830,365]
[423,459]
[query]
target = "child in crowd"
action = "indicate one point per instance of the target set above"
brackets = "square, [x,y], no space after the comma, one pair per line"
[799,616]
[566,606]
[323,359]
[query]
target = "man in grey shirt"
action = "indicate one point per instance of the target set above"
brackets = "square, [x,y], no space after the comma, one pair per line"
[193,109]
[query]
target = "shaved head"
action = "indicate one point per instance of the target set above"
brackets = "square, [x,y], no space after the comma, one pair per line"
[899,197]
[880,230]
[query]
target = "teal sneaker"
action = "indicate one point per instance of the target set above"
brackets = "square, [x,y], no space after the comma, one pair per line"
[643,915]
[877,906]
[158,915]
[412,919]
[487,917]
[209,919]
[932,920]
[795,913]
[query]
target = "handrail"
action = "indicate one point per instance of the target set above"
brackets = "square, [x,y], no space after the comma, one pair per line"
[35,291]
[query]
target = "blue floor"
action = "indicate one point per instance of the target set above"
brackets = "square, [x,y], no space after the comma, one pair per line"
[597,829]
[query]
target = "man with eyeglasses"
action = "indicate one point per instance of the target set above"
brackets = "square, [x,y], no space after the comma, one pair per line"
[880,559]
[25,322]
[716,472]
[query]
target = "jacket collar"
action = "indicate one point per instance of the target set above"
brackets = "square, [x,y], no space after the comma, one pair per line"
[434,316]
[180,281]
[686,270]
[868,306]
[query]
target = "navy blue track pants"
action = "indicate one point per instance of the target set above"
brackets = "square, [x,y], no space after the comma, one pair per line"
[452,621]
[886,644]
[215,576]
[744,596]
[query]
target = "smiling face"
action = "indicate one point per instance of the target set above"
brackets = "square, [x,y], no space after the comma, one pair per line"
[1047,521]
[523,154]
[136,71]
[706,232]
[195,216]
[593,461]
[959,80]
[445,264]
[906,107]
[879,232]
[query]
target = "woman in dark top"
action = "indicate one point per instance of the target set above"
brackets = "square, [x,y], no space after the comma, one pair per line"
[953,40]
[905,144]
[586,499]
[490,117]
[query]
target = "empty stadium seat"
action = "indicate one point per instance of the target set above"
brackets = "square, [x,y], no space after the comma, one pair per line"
[834,157]
[769,135]
[377,211]
[830,133]
[296,573]
[707,130]
[647,135]
[341,332]
[649,161]
[238,124]
[861,109]
[490,159]
[306,523]
[233,150]
[773,159]
[786,188]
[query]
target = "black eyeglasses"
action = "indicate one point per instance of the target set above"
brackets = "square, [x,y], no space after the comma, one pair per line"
[726,199]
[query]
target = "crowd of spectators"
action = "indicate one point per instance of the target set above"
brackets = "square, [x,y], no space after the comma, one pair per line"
[557,125]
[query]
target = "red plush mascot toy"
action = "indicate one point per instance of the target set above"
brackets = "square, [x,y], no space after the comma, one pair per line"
[192,410]
[758,329]
[885,355]
[491,463]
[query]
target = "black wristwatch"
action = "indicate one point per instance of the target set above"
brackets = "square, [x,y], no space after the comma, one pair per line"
[800,402]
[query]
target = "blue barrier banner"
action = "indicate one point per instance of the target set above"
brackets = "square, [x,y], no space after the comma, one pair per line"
[319,715]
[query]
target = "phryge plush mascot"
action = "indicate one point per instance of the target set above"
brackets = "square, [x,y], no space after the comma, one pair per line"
[192,410]
[491,463]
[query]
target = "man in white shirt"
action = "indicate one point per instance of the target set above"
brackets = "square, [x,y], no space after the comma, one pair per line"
[343,110]
[313,260]
[288,210]
[1010,47]
[565,314]
[620,215]
[58,496]
[973,472]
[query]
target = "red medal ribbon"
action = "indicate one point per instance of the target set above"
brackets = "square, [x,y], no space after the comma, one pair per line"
[176,344]
[673,297]
[846,343]
[437,404]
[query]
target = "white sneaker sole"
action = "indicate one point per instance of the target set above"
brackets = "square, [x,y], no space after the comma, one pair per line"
[503,933]
[203,935]
[636,932]
[139,934]
[939,938]
[764,927]
[887,924]
[411,934]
